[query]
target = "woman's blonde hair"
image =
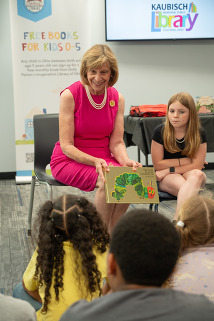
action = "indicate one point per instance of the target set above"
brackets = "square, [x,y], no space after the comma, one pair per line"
[197,214]
[94,58]
[192,136]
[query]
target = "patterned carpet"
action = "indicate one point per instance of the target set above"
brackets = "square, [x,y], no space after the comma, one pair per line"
[16,247]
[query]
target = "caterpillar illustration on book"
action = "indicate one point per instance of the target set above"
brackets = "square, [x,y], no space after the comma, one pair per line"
[135,180]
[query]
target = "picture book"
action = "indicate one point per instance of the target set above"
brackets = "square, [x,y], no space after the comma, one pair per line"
[205,104]
[123,185]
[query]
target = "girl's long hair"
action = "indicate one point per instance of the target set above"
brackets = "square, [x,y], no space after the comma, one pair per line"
[73,219]
[192,136]
[197,214]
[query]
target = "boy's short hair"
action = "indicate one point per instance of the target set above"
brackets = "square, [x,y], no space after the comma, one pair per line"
[146,247]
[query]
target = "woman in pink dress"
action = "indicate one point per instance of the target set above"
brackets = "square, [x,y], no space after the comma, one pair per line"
[91,125]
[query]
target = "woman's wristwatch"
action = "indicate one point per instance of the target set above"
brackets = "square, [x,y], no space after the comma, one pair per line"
[172,169]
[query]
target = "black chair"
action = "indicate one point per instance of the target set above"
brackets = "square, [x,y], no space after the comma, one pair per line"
[46,134]
[163,196]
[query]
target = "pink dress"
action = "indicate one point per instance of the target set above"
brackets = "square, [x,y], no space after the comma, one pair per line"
[93,128]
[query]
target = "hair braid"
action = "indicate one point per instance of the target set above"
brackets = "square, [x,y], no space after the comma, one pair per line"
[46,250]
[76,220]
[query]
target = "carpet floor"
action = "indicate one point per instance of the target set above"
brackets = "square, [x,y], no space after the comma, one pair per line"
[16,247]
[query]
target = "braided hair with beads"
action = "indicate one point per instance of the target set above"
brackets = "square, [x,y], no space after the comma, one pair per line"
[73,219]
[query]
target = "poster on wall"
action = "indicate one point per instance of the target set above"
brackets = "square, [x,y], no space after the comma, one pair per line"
[49,38]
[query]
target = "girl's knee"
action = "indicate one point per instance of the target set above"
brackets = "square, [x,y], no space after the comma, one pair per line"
[199,176]
[203,179]
[198,173]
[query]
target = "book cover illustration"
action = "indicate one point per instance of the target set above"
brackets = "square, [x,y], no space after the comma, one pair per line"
[123,185]
[205,104]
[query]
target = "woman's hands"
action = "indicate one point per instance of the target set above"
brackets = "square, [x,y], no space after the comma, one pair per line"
[133,164]
[101,165]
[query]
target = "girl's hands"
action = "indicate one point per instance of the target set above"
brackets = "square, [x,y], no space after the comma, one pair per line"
[205,163]
[185,161]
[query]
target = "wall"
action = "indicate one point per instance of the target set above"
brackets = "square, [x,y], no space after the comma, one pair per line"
[7,125]
[150,72]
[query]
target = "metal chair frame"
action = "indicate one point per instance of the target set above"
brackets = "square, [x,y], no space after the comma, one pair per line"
[163,196]
[46,134]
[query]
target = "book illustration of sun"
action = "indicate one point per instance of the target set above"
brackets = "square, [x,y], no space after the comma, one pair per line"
[135,180]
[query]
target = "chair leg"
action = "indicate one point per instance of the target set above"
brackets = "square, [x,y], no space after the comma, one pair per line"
[50,191]
[33,182]
[156,208]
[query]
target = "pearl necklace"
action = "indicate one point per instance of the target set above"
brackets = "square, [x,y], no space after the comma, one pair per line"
[92,102]
[180,141]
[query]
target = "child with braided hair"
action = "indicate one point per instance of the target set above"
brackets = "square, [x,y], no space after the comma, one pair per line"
[70,260]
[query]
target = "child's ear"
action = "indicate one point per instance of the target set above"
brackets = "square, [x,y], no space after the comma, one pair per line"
[111,264]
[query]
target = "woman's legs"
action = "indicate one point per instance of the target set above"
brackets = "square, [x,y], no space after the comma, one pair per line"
[105,209]
[183,186]
[20,293]
[118,212]
[110,213]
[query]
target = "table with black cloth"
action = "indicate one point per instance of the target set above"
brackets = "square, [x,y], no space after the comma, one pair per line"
[138,132]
